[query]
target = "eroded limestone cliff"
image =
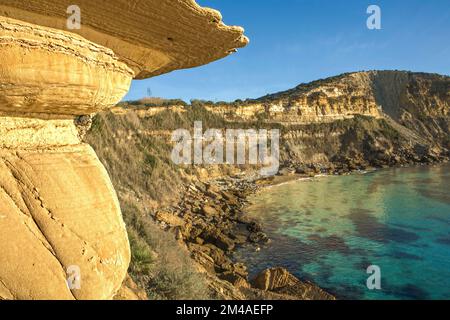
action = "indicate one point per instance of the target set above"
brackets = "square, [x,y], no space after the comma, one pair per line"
[372,93]
[392,117]
[61,228]
[58,207]
[152,36]
[384,118]
[320,101]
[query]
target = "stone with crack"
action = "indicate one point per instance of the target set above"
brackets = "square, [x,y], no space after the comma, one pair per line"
[58,208]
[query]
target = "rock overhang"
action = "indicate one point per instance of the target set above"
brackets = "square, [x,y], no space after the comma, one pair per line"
[49,71]
[59,208]
[152,37]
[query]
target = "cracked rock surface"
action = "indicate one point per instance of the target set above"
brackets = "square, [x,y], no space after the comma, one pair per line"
[58,208]
[152,36]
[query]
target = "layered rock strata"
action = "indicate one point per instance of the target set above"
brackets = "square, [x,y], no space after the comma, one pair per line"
[404,96]
[152,36]
[61,228]
[58,209]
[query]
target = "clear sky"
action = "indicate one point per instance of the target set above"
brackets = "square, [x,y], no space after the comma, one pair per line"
[296,41]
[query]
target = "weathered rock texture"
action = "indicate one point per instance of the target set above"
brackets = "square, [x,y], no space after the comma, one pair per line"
[320,101]
[359,119]
[152,36]
[279,280]
[48,71]
[58,208]
[400,95]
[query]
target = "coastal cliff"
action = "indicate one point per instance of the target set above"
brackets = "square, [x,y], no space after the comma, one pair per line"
[388,118]
[61,226]
[317,102]
[51,181]
[399,118]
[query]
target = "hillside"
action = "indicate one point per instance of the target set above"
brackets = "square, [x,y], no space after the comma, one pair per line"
[355,121]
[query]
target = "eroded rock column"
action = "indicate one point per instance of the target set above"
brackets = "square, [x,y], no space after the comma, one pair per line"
[58,207]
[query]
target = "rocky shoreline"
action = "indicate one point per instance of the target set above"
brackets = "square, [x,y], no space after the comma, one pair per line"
[409,127]
[210,222]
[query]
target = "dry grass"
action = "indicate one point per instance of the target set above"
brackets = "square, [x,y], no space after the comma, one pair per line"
[139,164]
[159,264]
[135,161]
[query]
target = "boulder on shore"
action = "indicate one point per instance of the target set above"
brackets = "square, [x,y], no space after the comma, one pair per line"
[280,280]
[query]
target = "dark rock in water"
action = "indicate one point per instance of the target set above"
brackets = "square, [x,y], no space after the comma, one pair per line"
[258,237]
[239,238]
[254,227]
[279,280]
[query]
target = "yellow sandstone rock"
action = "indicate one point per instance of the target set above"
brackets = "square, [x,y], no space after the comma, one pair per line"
[58,209]
[152,36]
[50,71]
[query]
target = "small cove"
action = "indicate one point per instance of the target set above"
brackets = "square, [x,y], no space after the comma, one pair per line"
[330,229]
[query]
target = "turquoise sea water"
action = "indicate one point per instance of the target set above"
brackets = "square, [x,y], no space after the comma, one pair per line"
[331,229]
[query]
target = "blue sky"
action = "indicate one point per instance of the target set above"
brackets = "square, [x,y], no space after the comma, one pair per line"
[296,41]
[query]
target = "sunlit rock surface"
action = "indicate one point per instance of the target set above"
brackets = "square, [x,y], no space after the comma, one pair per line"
[58,209]
[49,71]
[152,36]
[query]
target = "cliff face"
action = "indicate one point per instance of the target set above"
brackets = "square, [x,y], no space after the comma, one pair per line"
[61,227]
[361,119]
[48,225]
[411,125]
[401,95]
[378,119]
[417,101]
[375,117]
[320,101]
[58,209]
